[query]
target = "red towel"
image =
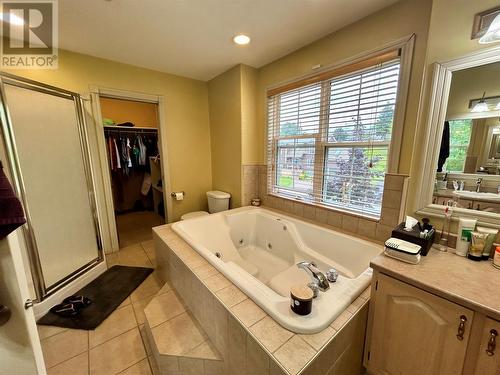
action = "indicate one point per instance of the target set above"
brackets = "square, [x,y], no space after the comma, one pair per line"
[11,211]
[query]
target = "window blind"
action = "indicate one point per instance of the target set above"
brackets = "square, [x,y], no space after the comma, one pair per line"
[328,141]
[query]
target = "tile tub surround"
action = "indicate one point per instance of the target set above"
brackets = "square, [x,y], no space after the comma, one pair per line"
[177,342]
[250,183]
[250,341]
[393,207]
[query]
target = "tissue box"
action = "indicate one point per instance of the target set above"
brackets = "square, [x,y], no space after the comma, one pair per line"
[414,237]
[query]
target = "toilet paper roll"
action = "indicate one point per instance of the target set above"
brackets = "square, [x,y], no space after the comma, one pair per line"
[179,196]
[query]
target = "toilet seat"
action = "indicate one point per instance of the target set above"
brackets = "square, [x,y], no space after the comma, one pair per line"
[193,214]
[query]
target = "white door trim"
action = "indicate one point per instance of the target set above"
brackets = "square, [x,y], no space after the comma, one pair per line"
[95,93]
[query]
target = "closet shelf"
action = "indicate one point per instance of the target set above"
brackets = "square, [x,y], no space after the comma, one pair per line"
[127,128]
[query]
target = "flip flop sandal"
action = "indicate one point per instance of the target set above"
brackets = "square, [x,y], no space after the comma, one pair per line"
[65,309]
[80,302]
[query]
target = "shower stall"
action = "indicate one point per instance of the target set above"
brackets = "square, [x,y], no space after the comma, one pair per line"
[46,144]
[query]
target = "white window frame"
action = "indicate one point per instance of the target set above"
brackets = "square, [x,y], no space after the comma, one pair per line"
[405,46]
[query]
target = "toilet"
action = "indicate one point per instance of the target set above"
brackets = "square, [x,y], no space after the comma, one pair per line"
[217,201]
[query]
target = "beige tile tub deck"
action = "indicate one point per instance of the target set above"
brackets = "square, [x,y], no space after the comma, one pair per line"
[231,320]
[179,335]
[178,343]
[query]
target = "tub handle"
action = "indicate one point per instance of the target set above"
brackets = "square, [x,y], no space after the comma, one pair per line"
[332,275]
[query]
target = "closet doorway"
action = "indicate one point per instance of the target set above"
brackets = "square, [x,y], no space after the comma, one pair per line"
[132,158]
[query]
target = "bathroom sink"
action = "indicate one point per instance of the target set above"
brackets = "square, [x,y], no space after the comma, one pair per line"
[477,196]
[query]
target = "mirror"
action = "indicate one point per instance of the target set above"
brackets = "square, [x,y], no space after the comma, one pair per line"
[468,163]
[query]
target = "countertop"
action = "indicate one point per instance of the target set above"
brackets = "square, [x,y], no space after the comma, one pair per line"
[475,285]
[448,193]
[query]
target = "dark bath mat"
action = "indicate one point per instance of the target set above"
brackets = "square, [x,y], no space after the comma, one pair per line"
[107,292]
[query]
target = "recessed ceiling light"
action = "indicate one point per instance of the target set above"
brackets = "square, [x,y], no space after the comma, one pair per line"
[241,39]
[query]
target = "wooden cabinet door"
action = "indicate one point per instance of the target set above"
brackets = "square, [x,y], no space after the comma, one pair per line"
[415,332]
[488,359]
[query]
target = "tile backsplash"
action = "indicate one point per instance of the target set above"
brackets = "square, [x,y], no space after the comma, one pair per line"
[254,184]
[249,183]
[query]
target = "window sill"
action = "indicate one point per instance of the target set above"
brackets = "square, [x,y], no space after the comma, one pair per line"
[326,208]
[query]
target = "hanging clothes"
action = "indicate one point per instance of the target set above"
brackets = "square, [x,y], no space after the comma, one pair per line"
[112,157]
[135,152]
[146,184]
[151,146]
[142,151]
[129,151]
[123,155]
[117,155]
[129,161]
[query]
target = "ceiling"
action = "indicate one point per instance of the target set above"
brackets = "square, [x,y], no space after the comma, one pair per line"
[193,38]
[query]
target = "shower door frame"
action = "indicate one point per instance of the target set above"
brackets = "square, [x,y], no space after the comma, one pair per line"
[42,290]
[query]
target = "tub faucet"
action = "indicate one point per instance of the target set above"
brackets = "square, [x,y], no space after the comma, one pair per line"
[319,279]
[478,184]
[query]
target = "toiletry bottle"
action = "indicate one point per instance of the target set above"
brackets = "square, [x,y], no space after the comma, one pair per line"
[464,235]
[477,246]
[496,257]
[488,250]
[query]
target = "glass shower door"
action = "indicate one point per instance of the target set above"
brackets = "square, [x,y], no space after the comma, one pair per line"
[46,141]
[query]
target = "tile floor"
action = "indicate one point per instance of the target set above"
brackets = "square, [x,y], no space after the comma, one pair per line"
[118,345]
[135,227]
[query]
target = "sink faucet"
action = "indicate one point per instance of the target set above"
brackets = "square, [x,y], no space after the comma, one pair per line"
[478,184]
[319,280]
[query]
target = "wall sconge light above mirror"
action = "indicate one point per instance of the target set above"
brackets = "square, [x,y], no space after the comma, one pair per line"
[485,103]
[462,159]
[486,26]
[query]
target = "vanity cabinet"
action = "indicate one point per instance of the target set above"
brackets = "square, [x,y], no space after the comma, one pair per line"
[415,332]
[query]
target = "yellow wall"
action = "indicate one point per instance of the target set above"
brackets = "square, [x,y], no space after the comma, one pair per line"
[186,114]
[233,128]
[224,93]
[249,131]
[141,114]
[394,22]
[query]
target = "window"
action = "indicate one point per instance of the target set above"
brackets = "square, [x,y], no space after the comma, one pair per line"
[460,133]
[329,137]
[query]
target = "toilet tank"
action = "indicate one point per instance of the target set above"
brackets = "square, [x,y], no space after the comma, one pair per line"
[218,201]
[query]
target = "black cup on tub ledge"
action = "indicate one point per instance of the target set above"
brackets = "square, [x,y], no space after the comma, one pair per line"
[301,298]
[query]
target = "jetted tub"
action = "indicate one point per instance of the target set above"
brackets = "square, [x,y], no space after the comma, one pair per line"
[258,250]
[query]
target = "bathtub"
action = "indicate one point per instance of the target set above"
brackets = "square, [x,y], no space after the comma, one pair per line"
[258,250]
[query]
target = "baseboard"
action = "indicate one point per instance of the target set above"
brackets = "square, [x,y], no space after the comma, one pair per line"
[42,308]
